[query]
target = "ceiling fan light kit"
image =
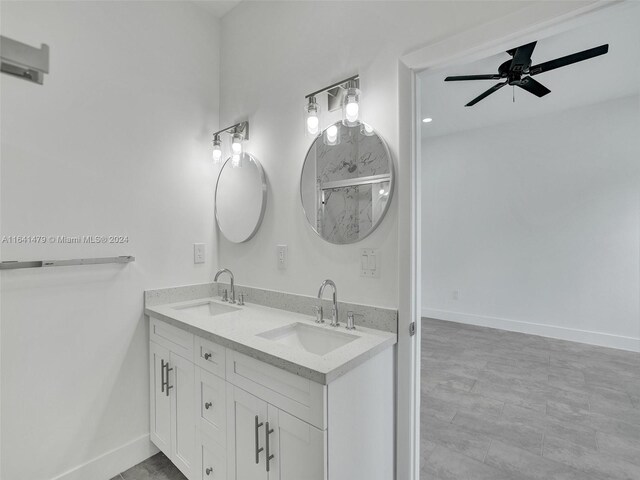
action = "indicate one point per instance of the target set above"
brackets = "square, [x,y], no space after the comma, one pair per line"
[518,71]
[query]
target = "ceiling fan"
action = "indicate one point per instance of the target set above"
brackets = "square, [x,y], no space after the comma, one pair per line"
[518,71]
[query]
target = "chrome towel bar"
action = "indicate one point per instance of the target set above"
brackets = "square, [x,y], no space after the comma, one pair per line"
[12,265]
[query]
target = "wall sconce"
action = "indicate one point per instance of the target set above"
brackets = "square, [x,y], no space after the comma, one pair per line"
[239,133]
[344,94]
[311,117]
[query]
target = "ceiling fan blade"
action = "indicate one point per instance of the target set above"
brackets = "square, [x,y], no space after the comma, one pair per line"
[493,89]
[533,86]
[491,76]
[522,57]
[569,59]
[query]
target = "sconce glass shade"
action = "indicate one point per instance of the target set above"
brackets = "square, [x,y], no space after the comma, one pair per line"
[236,160]
[312,118]
[367,130]
[332,135]
[236,144]
[217,150]
[351,107]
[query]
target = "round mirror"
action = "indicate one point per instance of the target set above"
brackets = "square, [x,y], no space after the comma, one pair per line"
[241,197]
[346,183]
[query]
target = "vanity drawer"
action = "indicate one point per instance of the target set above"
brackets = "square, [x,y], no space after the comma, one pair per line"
[210,356]
[295,395]
[175,339]
[213,459]
[212,405]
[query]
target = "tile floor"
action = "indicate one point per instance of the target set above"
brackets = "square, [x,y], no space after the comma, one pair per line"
[499,405]
[157,467]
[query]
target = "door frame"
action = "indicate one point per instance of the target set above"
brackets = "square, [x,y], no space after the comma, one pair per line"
[523,26]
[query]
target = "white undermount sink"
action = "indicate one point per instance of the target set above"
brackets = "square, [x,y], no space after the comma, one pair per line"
[308,338]
[207,309]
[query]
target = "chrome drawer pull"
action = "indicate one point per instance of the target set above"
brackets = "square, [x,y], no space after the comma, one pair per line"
[268,432]
[258,450]
[207,356]
[208,471]
[169,387]
[162,373]
[208,405]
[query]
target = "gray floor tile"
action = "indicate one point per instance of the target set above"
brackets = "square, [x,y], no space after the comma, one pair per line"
[445,464]
[527,437]
[533,407]
[158,467]
[627,449]
[467,402]
[596,464]
[455,438]
[577,434]
[528,466]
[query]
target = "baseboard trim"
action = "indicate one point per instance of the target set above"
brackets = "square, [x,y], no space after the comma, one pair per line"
[111,463]
[574,335]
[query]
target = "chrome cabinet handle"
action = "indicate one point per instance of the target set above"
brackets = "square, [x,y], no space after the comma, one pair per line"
[169,387]
[208,405]
[162,373]
[268,432]
[258,448]
[208,471]
[270,456]
[207,356]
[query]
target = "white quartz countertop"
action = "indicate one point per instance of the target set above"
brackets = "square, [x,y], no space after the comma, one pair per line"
[240,329]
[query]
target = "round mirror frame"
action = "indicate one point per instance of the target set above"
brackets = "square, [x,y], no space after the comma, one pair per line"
[392,177]
[263,181]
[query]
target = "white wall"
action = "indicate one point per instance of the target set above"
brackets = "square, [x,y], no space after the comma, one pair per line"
[536,225]
[273,53]
[116,141]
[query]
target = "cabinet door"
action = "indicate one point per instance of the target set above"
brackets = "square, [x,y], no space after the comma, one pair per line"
[247,417]
[211,405]
[182,393]
[213,460]
[298,448]
[160,400]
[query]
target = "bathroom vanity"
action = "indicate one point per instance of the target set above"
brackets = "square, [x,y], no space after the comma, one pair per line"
[251,392]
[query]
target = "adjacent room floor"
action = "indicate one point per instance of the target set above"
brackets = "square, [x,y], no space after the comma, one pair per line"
[158,467]
[501,405]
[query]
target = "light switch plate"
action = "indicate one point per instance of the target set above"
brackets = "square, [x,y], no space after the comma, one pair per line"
[283,257]
[370,262]
[198,253]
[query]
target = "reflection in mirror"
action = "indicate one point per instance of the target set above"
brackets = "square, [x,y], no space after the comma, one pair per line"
[346,183]
[241,197]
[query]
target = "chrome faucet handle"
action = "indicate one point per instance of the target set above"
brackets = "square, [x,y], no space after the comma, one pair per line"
[225,296]
[241,299]
[319,318]
[350,321]
[334,317]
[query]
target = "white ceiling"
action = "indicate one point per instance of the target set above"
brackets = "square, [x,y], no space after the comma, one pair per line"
[218,7]
[613,75]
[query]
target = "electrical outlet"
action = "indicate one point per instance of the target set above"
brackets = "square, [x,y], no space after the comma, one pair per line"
[198,253]
[369,262]
[283,255]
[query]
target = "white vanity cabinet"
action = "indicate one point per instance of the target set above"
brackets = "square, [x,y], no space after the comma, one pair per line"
[222,415]
[172,396]
[266,443]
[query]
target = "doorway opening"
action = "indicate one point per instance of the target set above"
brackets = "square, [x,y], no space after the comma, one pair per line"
[530,246]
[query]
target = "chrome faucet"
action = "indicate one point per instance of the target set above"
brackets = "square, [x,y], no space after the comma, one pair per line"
[233,291]
[334,310]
